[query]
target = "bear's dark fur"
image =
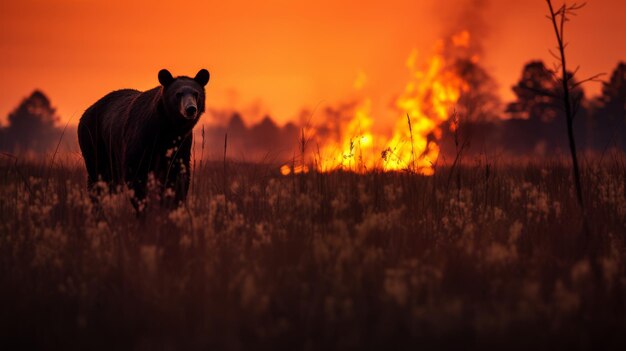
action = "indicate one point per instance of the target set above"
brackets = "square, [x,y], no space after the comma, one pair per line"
[129,134]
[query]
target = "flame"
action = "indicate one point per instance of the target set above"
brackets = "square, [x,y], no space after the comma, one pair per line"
[428,99]
[353,149]
[461,39]
[295,169]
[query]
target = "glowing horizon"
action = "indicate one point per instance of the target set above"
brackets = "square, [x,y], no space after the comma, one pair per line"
[275,58]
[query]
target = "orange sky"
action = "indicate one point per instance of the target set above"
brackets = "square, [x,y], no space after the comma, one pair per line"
[280,56]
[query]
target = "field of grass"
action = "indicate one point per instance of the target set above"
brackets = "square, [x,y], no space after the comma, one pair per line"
[490,255]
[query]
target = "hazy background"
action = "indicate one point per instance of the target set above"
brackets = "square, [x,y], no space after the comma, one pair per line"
[275,57]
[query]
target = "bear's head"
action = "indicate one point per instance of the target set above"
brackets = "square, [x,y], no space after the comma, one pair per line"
[183,97]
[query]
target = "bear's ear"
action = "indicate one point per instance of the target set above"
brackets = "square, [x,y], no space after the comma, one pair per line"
[202,77]
[165,77]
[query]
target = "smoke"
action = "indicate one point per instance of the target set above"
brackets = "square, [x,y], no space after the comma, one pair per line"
[264,141]
[466,15]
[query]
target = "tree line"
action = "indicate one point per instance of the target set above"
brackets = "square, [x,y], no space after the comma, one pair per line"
[533,123]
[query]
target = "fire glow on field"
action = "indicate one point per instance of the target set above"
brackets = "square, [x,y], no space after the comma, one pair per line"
[427,101]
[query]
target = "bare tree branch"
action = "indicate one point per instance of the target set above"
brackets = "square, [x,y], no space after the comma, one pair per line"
[594,78]
[558,21]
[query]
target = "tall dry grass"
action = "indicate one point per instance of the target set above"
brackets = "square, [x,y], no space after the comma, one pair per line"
[317,261]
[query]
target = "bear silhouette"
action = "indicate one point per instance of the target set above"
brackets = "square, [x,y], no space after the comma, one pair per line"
[129,137]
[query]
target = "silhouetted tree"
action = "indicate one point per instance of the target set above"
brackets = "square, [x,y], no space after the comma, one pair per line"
[539,95]
[236,126]
[264,141]
[540,104]
[610,115]
[31,125]
[480,102]
[538,111]
[614,92]
[265,132]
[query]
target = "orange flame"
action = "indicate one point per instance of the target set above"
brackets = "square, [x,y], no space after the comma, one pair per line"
[295,169]
[426,103]
[354,147]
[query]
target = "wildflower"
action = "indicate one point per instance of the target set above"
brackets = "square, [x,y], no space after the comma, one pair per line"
[581,272]
[179,216]
[557,209]
[498,214]
[149,256]
[234,186]
[185,242]
[498,253]
[516,193]
[262,236]
[395,286]
[515,231]
[610,268]
[248,290]
[566,300]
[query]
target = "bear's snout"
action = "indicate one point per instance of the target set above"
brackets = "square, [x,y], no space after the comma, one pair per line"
[189,107]
[191,111]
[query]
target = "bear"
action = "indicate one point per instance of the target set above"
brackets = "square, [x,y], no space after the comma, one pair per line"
[132,138]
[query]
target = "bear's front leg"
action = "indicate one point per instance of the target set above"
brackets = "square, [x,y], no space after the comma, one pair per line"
[178,175]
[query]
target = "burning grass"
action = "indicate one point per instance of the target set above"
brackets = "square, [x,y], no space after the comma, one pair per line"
[427,101]
[318,260]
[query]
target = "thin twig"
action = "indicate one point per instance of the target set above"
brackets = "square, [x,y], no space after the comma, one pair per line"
[408,118]
[225,146]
